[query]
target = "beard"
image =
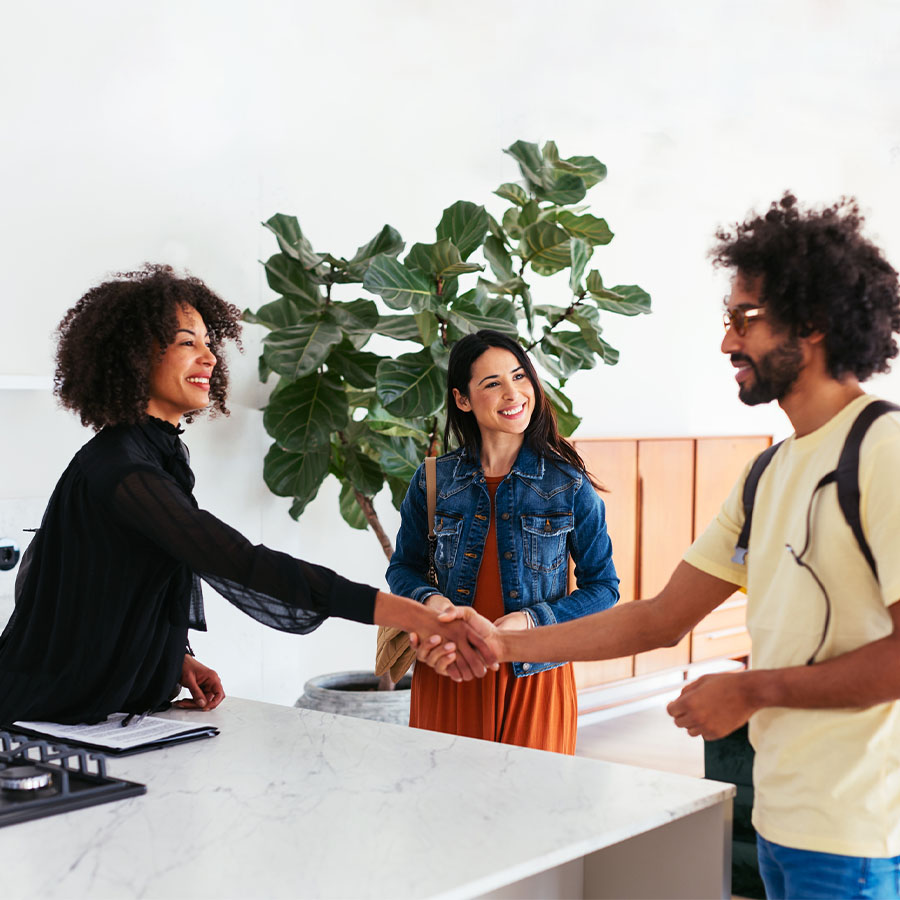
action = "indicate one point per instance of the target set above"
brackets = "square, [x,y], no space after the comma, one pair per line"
[774,374]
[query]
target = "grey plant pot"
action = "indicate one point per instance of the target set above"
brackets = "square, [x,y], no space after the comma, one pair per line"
[356,694]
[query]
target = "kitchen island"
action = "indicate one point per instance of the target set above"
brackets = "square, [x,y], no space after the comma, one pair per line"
[295,803]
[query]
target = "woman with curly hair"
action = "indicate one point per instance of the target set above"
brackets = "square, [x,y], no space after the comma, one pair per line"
[109,586]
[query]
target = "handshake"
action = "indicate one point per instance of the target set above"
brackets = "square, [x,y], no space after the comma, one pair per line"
[463,644]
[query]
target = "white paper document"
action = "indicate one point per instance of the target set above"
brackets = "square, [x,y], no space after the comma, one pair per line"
[111,734]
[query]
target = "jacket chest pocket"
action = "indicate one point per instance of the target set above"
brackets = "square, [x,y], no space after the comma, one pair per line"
[447,530]
[545,538]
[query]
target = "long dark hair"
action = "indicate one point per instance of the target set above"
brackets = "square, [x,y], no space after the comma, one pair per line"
[541,434]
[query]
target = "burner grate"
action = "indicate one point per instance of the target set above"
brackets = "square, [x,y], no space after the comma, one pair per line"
[78,779]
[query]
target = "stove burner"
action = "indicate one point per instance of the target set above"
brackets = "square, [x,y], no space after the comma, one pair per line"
[39,778]
[24,778]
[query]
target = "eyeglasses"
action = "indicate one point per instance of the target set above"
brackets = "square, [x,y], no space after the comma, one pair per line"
[739,318]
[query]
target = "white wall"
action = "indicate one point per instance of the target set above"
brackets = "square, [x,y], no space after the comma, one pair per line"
[168,131]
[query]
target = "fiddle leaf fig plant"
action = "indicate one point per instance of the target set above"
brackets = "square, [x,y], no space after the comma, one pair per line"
[369,418]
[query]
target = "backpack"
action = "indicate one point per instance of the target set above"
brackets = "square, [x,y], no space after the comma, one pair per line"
[846,474]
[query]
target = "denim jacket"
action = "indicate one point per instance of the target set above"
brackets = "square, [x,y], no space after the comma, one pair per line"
[546,509]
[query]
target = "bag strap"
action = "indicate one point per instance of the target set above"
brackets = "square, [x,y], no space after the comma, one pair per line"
[431,490]
[748,498]
[848,474]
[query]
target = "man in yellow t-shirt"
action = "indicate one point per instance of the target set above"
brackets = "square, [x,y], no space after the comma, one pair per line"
[813,310]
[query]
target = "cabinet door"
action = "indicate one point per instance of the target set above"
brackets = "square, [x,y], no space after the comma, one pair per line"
[614,464]
[720,461]
[665,504]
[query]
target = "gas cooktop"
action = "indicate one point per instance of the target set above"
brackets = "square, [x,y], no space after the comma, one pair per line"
[39,778]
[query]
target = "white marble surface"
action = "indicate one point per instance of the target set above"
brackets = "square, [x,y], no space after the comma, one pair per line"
[295,803]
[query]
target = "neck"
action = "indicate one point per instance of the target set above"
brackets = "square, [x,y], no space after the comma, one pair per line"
[499,452]
[812,402]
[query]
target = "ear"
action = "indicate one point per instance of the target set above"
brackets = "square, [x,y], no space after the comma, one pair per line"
[462,401]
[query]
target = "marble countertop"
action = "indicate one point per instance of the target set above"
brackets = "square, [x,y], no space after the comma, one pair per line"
[295,803]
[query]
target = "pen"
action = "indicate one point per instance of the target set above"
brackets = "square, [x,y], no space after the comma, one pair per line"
[132,719]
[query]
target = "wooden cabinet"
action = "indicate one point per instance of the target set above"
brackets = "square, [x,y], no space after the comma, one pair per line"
[660,494]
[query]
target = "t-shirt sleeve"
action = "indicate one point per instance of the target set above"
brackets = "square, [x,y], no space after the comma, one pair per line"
[274,588]
[880,508]
[713,549]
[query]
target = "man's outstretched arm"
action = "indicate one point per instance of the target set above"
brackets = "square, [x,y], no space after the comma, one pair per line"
[621,631]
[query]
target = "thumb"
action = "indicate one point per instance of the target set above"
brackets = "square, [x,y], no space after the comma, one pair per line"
[196,692]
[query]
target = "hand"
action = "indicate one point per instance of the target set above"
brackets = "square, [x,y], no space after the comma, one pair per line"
[433,652]
[514,621]
[203,683]
[714,705]
[463,629]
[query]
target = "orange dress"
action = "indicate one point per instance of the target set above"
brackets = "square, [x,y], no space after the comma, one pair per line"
[538,711]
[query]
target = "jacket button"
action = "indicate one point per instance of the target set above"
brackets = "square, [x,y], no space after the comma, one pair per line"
[507,555]
[514,594]
[504,515]
[526,667]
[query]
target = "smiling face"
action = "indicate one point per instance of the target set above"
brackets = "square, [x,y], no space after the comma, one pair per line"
[500,394]
[768,360]
[179,379]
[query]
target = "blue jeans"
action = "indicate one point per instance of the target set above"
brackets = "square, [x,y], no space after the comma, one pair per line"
[789,873]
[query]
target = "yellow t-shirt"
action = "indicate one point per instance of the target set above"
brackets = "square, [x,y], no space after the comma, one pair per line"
[825,780]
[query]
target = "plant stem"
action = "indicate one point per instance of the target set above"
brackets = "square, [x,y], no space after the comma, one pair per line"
[365,504]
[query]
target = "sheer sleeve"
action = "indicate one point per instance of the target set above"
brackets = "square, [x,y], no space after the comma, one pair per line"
[273,587]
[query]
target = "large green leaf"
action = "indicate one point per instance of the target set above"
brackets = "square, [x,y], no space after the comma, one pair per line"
[581,253]
[281,313]
[356,367]
[302,416]
[411,385]
[566,419]
[497,255]
[296,474]
[588,168]
[465,224]
[399,456]
[387,241]
[362,471]
[511,223]
[624,299]
[515,193]
[428,327]
[291,240]
[383,422]
[569,350]
[530,161]
[351,511]
[546,247]
[590,228]
[468,318]
[565,190]
[398,286]
[510,288]
[400,328]
[297,350]
[399,488]
[441,259]
[287,276]
[354,317]
[529,214]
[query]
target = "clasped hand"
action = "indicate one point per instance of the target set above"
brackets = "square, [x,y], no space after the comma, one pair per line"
[450,656]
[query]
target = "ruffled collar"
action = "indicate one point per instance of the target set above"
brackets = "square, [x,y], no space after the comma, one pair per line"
[165,426]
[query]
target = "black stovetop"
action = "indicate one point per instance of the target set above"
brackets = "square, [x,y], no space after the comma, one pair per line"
[78,778]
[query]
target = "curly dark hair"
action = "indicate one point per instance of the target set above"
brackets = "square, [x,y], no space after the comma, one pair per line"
[109,340]
[820,274]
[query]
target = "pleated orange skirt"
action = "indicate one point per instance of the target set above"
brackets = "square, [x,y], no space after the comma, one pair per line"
[538,711]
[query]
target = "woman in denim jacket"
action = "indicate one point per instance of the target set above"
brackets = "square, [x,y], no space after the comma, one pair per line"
[513,503]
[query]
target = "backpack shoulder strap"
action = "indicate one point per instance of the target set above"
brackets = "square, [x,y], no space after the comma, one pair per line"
[748,498]
[848,474]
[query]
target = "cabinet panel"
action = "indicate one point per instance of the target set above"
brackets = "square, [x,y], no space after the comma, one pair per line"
[666,502]
[614,464]
[719,463]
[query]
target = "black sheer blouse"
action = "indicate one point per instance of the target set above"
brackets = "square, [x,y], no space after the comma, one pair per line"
[108,587]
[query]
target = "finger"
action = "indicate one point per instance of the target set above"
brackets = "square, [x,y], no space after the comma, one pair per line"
[190,682]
